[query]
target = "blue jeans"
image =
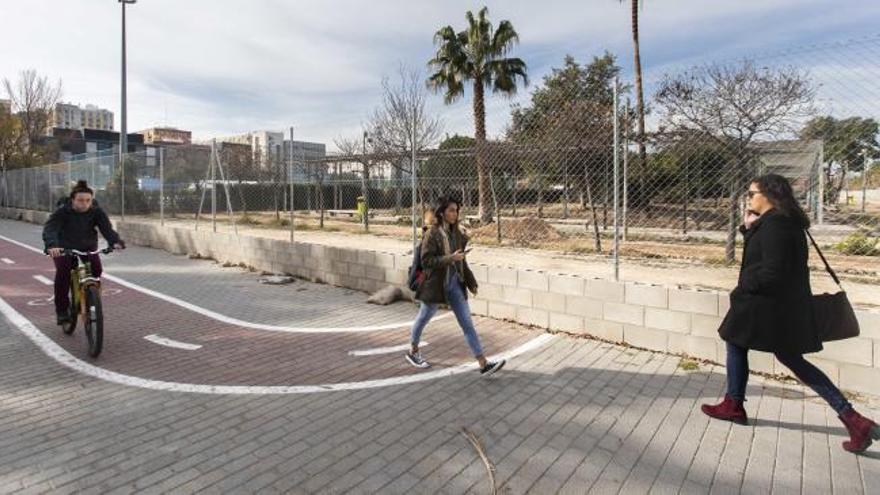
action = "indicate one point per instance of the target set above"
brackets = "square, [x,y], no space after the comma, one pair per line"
[459,305]
[811,376]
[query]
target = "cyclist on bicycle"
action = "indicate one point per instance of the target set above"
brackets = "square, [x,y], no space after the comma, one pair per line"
[72,226]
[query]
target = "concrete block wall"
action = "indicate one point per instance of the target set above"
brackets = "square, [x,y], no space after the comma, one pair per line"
[360,270]
[655,317]
[32,216]
[671,319]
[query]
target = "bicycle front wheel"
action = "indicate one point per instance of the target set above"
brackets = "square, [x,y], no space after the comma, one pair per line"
[94,321]
[73,314]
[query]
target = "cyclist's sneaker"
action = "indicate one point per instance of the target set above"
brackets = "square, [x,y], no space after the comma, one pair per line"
[416,359]
[62,317]
[492,367]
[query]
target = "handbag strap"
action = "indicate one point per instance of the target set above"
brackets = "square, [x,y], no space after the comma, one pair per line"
[827,266]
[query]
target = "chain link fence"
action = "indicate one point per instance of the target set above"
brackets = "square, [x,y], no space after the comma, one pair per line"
[570,183]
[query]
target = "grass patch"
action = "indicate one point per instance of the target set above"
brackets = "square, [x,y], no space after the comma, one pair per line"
[248,220]
[852,396]
[688,364]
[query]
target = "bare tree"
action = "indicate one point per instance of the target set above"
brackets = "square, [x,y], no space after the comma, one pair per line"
[320,173]
[735,105]
[403,107]
[10,135]
[34,100]
[357,147]
[239,163]
[9,138]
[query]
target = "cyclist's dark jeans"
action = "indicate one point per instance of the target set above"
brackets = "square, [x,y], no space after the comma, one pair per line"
[63,265]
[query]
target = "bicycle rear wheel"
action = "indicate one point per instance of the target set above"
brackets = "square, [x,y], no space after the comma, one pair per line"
[93,322]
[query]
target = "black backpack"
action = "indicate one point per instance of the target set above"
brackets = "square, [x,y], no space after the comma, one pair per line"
[416,273]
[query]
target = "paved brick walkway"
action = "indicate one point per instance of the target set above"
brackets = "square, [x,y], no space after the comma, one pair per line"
[573,416]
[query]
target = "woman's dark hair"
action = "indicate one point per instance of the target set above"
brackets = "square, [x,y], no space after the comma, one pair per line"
[442,204]
[777,189]
[81,187]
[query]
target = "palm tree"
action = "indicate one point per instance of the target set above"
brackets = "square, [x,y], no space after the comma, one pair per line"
[640,99]
[477,55]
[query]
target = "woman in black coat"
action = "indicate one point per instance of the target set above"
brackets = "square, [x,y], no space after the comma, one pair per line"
[771,308]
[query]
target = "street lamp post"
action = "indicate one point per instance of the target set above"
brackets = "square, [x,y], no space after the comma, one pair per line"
[123,131]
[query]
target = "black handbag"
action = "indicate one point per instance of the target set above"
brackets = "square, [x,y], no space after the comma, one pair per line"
[833,313]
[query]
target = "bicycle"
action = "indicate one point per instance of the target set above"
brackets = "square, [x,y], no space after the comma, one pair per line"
[85,299]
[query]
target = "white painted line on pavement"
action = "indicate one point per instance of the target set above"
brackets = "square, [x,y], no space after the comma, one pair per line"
[235,321]
[7,261]
[260,326]
[384,350]
[43,280]
[60,355]
[172,343]
[41,302]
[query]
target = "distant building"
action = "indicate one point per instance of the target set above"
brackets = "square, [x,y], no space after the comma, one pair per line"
[268,147]
[76,144]
[70,116]
[166,136]
[305,154]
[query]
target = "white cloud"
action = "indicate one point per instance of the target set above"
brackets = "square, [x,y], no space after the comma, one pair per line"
[223,66]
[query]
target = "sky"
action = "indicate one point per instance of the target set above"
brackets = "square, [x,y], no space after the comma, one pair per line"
[224,67]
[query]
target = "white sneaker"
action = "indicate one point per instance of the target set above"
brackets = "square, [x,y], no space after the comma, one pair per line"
[492,367]
[417,360]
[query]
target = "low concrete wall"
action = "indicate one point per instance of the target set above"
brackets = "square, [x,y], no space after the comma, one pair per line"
[32,216]
[654,317]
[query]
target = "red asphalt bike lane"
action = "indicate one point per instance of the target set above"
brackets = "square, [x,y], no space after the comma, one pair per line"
[231,354]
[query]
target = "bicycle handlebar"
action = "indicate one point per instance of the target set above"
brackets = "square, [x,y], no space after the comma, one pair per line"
[76,252]
[106,250]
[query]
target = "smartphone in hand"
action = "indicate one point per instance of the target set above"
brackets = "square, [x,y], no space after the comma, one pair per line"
[751,217]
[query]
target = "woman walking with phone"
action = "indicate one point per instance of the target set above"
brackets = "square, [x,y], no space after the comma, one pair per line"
[447,280]
[771,308]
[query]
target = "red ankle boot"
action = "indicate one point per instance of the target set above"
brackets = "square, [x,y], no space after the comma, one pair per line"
[729,409]
[862,431]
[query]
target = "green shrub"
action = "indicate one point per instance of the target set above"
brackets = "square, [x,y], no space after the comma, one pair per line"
[859,244]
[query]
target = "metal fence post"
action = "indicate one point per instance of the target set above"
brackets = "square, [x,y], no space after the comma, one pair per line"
[5,184]
[864,179]
[625,172]
[820,217]
[213,187]
[616,185]
[51,173]
[413,185]
[162,186]
[290,180]
[122,185]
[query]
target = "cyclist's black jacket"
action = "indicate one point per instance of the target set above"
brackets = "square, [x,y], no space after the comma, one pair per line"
[66,228]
